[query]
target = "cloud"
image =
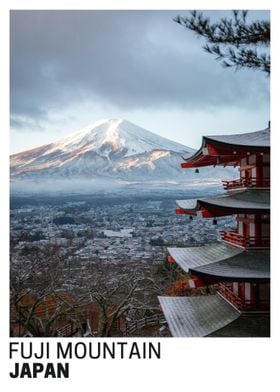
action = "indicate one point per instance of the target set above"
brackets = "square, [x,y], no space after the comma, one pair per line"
[127,59]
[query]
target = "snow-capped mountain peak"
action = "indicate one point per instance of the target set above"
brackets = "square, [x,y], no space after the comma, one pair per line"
[105,151]
[115,135]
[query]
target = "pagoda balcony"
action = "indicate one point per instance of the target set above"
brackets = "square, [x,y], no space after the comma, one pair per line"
[246,183]
[237,239]
[241,304]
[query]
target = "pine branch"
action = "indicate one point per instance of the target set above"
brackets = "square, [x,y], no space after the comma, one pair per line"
[239,37]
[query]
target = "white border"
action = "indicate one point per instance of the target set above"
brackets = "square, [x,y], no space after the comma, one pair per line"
[186,364]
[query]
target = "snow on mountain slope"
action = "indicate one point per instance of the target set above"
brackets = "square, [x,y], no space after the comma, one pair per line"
[116,135]
[108,150]
[101,144]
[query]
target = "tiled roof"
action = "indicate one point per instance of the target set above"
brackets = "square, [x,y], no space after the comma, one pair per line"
[251,265]
[223,260]
[197,316]
[247,325]
[254,139]
[197,256]
[256,199]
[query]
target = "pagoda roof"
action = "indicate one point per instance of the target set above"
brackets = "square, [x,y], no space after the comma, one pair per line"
[228,149]
[248,265]
[249,139]
[249,324]
[224,262]
[197,256]
[248,201]
[197,316]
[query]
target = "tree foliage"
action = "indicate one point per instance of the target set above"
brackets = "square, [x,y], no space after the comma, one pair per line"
[234,41]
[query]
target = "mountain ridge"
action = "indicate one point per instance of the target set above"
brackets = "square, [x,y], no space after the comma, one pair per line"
[101,143]
[112,150]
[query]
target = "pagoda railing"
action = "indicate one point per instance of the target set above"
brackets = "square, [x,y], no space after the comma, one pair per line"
[252,182]
[241,304]
[246,242]
[229,295]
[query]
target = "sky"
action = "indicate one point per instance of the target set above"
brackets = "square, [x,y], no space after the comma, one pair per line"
[69,69]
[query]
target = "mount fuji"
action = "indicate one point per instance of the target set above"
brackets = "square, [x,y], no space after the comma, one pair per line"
[107,153]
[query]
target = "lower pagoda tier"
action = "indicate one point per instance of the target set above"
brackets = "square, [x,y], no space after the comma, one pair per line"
[211,316]
[247,325]
[249,202]
[220,262]
[197,316]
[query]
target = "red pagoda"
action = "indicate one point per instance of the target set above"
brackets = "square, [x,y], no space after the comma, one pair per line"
[237,266]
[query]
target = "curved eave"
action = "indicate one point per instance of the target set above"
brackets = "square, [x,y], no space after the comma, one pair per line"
[248,208]
[198,256]
[209,279]
[228,149]
[248,266]
[222,262]
[257,139]
[249,202]
[201,159]
[197,316]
